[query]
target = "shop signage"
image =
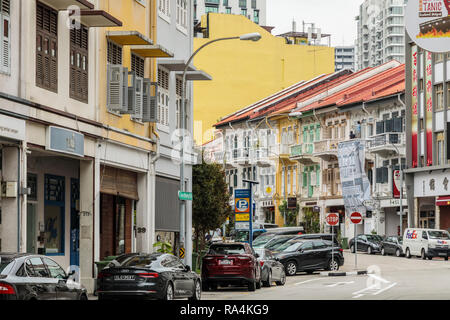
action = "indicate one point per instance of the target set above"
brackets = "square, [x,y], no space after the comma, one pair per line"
[185,196]
[397,183]
[292,203]
[65,141]
[414,104]
[434,184]
[427,24]
[12,128]
[242,226]
[242,217]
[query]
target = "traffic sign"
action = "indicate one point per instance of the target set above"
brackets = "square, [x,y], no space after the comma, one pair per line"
[242,201]
[182,252]
[242,217]
[332,219]
[356,218]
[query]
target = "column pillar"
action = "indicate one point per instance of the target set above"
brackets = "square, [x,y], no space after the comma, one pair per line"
[87,213]
[438,217]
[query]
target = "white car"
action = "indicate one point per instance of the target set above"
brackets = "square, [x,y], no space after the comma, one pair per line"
[426,243]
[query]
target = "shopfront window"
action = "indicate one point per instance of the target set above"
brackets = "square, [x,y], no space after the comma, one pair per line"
[54,209]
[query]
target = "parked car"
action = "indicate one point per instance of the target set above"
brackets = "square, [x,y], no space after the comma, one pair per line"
[118,261]
[392,245]
[34,277]
[271,269]
[268,240]
[426,243]
[366,243]
[322,236]
[149,276]
[309,255]
[231,263]
[242,235]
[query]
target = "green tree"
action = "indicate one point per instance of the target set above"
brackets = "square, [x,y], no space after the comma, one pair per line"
[210,207]
[290,214]
[163,247]
[312,221]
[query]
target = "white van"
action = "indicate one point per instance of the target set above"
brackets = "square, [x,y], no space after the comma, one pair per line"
[426,243]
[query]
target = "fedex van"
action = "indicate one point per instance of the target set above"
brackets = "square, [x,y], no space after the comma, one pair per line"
[426,243]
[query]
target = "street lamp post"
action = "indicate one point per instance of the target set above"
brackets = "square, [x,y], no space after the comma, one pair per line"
[245,37]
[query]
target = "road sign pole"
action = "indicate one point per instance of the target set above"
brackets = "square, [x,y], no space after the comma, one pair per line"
[250,236]
[356,249]
[332,245]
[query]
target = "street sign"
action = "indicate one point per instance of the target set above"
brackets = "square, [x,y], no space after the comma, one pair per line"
[397,184]
[242,217]
[242,201]
[242,226]
[185,196]
[182,253]
[356,218]
[332,219]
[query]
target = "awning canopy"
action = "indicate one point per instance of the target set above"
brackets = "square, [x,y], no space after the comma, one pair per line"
[443,201]
[61,5]
[129,38]
[153,51]
[98,18]
[198,75]
[175,65]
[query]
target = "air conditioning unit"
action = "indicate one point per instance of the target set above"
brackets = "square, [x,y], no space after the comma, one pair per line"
[135,96]
[117,88]
[150,101]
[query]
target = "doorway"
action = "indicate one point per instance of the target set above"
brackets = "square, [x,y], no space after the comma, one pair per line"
[74,222]
[31,228]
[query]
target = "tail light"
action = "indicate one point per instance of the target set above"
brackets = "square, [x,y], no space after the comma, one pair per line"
[261,263]
[150,275]
[6,289]
[103,275]
[341,250]
[300,233]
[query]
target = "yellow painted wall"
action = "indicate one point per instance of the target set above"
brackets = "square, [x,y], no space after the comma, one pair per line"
[244,71]
[134,17]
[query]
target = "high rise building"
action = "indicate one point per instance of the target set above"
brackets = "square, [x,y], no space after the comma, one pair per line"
[344,58]
[255,10]
[381,29]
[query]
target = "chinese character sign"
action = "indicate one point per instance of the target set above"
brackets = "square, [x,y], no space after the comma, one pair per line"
[429,107]
[414,101]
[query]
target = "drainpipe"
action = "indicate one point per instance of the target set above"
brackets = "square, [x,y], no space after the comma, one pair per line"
[18,199]
[364,108]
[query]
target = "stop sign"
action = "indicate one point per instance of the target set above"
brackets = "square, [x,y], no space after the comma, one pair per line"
[356,218]
[332,219]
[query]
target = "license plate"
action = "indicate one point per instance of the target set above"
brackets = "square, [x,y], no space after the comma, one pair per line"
[225,262]
[124,278]
[442,254]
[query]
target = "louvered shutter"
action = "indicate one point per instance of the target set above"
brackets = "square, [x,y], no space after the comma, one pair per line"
[150,101]
[5,44]
[131,93]
[137,112]
[115,83]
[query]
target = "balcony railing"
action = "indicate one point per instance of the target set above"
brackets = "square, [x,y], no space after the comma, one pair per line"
[387,142]
[326,149]
[302,150]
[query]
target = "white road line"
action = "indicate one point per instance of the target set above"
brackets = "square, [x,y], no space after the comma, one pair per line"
[378,278]
[365,289]
[384,289]
[311,280]
[339,283]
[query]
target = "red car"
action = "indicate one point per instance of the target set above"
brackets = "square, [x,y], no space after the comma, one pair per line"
[231,263]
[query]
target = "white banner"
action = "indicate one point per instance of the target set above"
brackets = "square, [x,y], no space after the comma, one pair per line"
[355,185]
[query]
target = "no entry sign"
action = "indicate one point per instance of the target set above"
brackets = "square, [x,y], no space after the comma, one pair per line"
[356,218]
[332,219]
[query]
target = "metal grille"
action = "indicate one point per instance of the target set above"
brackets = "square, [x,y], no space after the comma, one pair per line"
[138,65]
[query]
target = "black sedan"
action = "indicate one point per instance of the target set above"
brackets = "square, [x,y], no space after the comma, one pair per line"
[34,277]
[392,245]
[149,276]
[271,269]
[309,255]
[366,243]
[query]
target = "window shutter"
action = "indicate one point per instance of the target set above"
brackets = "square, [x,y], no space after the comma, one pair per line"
[380,127]
[115,98]
[138,92]
[150,101]
[385,175]
[398,124]
[131,93]
[6,44]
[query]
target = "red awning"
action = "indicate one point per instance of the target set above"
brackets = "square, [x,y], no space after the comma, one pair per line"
[443,201]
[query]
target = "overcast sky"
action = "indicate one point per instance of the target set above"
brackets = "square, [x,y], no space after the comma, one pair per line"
[335,17]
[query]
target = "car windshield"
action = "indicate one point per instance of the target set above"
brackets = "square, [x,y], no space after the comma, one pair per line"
[5,265]
[290,246]
[262,240]
[141,261]
[371,237]
[227,249]
[276,242]
[242,236]
[441,235]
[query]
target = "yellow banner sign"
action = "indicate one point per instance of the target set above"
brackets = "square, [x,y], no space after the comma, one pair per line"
[242,217]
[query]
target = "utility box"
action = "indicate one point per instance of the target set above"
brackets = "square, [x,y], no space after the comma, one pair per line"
[9,189]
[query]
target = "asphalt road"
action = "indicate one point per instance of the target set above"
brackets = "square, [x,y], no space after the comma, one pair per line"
[392,278]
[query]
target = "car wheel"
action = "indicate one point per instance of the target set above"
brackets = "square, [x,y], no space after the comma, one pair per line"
[352,249]
[268,282]
[398,253]
[169,292]
[408,253]
[383,252]
[369,250]
[83,297]
[259,284]
[282,280]
[197,292]
[430,258]
[333,265]
[291,268]
[423,255]
[446,258]
[252,285]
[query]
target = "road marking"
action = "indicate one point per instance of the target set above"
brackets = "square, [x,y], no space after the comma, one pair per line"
[378,278]
[387,288]
[339,284]
[311,280]
[365,289]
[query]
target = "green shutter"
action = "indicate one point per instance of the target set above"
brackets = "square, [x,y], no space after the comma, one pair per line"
[305,179]
[318,133]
